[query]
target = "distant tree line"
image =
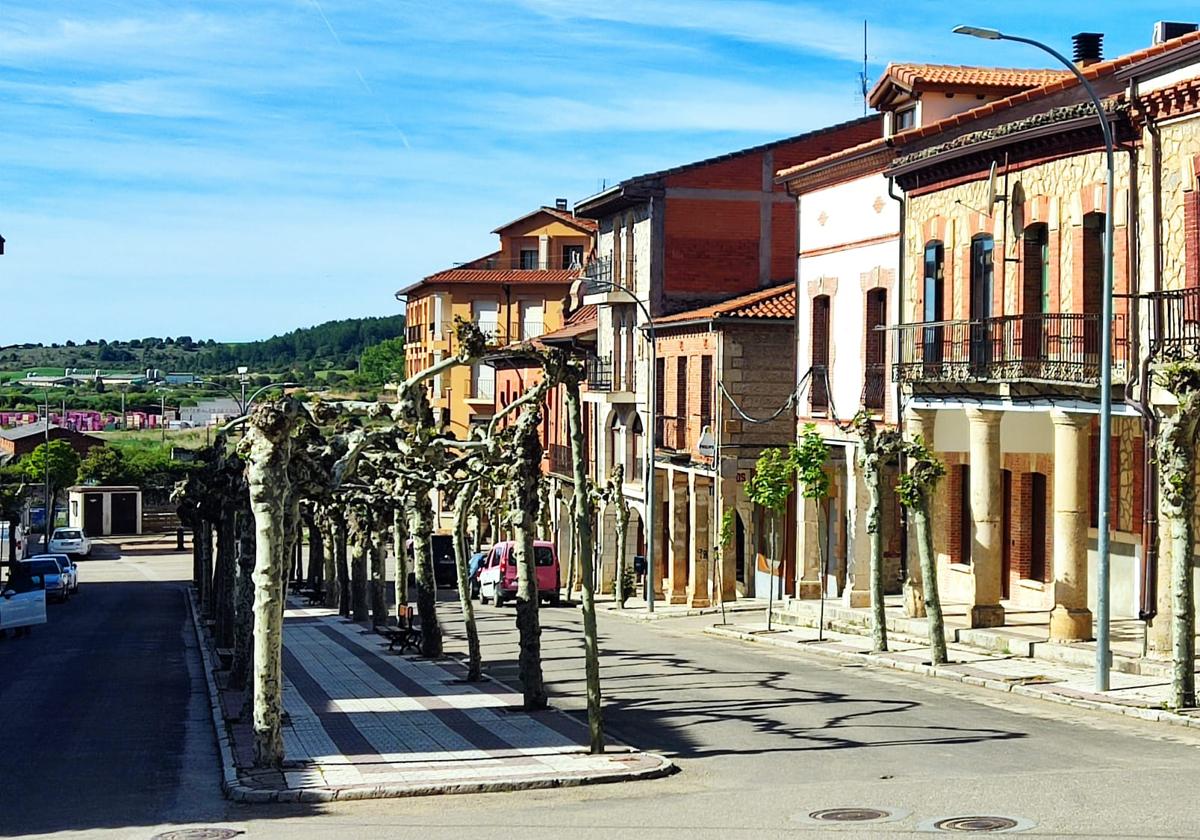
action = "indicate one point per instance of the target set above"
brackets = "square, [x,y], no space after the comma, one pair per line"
[331,345]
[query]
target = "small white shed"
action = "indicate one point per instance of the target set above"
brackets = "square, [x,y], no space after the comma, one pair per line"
[105,511]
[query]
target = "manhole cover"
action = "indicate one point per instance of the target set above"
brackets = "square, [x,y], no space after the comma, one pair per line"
[849,814]
[976,824]
[198,834]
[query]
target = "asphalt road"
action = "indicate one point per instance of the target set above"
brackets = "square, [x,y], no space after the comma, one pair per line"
[107,734]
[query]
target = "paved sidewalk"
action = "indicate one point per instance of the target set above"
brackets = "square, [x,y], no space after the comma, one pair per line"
[1131,694]
[635,609]
[365,723]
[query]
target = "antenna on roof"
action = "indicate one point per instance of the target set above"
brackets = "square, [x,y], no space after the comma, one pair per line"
[862,76]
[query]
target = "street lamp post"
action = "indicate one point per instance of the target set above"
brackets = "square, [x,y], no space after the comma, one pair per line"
[1102,549]
[242,375]
[577,292]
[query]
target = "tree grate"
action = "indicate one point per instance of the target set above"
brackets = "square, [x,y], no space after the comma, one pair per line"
[849,815]
[976,824]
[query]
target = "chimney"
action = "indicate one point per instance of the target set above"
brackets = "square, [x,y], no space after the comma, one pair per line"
[1089,48]
[560,204]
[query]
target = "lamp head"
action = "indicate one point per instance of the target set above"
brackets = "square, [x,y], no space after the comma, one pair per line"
[978,32]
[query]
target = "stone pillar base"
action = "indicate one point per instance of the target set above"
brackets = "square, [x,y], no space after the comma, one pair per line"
[678,598]
[808,590]
[700,601]
[1067,625]
[914,599]
[987,615]
[856,598]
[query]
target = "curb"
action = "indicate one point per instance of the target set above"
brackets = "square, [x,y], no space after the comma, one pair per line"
[641,615]
[1139,712]
[235,791]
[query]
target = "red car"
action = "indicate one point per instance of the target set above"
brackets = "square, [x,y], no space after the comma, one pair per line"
[498,577]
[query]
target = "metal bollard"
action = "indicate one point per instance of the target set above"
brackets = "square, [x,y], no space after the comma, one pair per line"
[179,538]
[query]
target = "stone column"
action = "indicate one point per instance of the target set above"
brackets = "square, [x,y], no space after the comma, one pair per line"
[919,423]
[987,498]
[699,588]
[680,525]
[858,574]
[808,547]
[1070,620]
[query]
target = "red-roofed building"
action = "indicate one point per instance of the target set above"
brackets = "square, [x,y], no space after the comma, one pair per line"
[708,450]
[513,294]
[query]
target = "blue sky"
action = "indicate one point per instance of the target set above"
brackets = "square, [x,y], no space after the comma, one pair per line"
[237,168]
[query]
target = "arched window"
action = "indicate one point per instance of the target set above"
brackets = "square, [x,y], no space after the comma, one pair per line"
[616,450]
[637,450]
[1093,280]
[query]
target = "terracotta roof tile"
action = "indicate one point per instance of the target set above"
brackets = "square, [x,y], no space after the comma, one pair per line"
[913,77]
[878,143]
[1095,71]
[511,276]
[774,303]
[581,322]
[588,225]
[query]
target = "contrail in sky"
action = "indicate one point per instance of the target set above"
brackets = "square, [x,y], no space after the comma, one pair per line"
[316,4]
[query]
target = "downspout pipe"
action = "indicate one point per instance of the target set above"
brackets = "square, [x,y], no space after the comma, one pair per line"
[899,318]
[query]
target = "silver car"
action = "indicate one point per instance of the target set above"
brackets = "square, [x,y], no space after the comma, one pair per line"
[71,541]
[48,568]
[68,567]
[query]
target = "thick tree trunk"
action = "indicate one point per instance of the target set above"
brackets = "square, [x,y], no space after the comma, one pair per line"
[361,607]
[316,554]
[622,538]
[226,575]
[204,532]
[400,548]
[330,576]
[583,536]
[919,514]
[462,557]
[875,530]
[243,628]
[420,528]
[522,518]
[1176,455]
[343,568]
[269,433]
[376,544]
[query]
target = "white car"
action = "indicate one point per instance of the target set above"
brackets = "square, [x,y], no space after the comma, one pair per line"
[70,541]
[22,602]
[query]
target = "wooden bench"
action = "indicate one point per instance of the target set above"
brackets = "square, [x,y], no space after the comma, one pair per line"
[406,634]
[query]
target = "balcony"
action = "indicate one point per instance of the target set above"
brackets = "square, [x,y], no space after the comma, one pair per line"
[529,262]
[671,433]
[874,387]
[1056,348]
[1177,313]
[598,275]
[600,373]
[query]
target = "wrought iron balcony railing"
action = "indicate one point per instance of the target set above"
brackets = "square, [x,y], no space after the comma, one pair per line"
[1060,348]
[530,262]
[1177,313]
[560,459]
[599,276]
[600,373]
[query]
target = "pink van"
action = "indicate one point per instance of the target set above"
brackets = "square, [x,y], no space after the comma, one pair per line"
[498,577]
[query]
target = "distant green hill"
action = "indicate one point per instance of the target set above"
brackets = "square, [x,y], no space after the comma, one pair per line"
[332,345]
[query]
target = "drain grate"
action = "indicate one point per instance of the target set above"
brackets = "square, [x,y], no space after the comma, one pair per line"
[977,825]
[198,834]
[849,815]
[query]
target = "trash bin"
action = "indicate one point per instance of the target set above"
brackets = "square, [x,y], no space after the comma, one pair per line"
[639,564]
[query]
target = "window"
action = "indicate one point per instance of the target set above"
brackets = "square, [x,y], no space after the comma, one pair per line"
[532,324]
[616,451]
[982,268]
[1093,280]
[572,256]
[933,303]
[681,387]
[1035,294]
[874,385]
[965,520]
[529,259]
[706,387]
[660,383]
[486,314]
[483,381]
[638,449]
[904,119]
[818,386]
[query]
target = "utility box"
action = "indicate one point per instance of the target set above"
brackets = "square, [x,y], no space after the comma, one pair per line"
[105,511]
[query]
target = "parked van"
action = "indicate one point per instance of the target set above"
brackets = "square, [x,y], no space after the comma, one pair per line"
[498,579]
